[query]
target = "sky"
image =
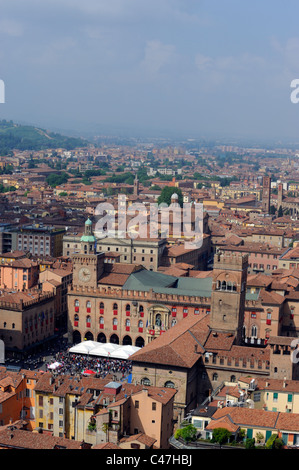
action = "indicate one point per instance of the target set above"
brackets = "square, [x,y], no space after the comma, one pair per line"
[198,68]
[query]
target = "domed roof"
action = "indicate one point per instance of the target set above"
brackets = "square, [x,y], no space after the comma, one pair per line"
[88,222]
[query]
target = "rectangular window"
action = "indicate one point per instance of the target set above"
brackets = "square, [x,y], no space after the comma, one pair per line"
[154,406]
[137,404]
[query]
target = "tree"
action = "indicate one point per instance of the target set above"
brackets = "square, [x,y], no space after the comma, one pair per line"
[188,433]
[274,442]
[272,210]
[54,179]
[280,212]
[250,443]
[221,435]
[166,194]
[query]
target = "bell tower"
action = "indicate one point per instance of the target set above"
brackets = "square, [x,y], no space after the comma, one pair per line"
[136,186]
[228,293]
[88,265]
[266,194]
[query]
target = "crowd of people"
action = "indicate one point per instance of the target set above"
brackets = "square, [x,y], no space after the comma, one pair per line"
[74,364]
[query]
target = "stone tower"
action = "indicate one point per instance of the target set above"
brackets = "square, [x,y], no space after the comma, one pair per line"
[266,194]
[88,265]
[228,293]
[136,186]
[279,196]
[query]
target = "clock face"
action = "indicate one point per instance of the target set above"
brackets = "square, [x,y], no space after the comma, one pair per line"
[84,275]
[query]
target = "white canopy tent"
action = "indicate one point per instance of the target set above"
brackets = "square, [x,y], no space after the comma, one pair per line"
[83,348]
[110,350]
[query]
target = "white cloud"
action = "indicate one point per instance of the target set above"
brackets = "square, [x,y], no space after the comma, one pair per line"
[157,56]
[11,27]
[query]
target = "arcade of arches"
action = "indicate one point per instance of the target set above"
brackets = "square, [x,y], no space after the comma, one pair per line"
[101,338]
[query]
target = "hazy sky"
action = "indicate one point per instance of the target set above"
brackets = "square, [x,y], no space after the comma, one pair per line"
[209,68]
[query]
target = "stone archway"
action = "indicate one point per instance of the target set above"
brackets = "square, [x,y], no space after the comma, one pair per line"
[88,336]
[139,342]
[101,338]
[127,340]
[76,337]
[114,339]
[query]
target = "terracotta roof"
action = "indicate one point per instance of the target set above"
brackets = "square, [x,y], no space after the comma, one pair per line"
[106,445]
[224,422]
[271,298]
[176,345]
[288,422]
[23,439]
[248,417]
[141,437]
[219,341]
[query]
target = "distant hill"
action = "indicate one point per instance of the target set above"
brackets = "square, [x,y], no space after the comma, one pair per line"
[24,137]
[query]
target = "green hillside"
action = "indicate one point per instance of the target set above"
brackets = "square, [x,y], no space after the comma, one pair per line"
[20,137]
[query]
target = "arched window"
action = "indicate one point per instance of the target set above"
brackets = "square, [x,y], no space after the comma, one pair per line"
[169,384]
[101,308]
[128,309]
[229,286]
[141,310]
[115,308]
[254,331]
[218,286]
[101,321]
[76,319]
[140,324]
[114,321]
[234,287]
[128,322]
[233,378]
[173,322]
[223,285]
[88,306]
[158,320]
[77,303]
[88,321]
[215,377]
[146,381]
